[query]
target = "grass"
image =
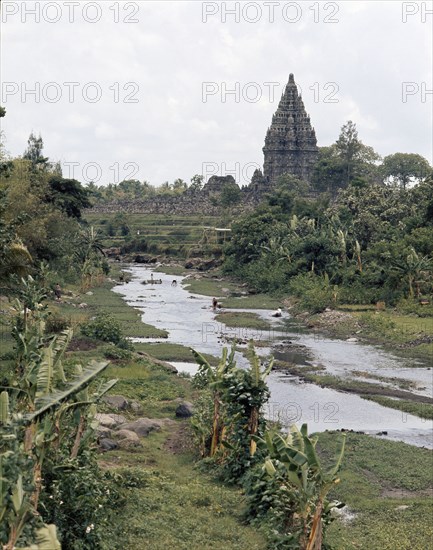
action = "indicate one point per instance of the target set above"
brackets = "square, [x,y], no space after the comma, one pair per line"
[400,382]
[171,352]
[176,270]
[423,410]
[210,287]
[103,300]
[393,329]
[377,478]
[252,301]
[420,405]
[179,234]
[169,503]
[249,320]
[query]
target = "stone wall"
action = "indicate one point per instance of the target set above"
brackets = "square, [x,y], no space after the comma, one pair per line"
[183,205]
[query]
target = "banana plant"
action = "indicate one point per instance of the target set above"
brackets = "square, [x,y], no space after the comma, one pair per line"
[295,459]
[213,377]
[48,394]
[257,377]
[16,508]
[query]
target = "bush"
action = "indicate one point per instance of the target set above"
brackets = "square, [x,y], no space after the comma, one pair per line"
[135,245]
[412,307]
[80,499]
[103,327]
[315,293]
[56,323]
[116,353]
[376,323]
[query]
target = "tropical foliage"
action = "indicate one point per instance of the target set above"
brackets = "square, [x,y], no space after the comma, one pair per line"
[351,234]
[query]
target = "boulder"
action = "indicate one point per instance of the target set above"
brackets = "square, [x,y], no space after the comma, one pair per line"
[142,426]
[126,439]
[108,444]
[103,432]
[185,409]
[117,402]
[110,420]
[135,407]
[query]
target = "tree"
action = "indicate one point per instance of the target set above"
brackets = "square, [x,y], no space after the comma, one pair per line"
[68,195]
[416,270]
[196,183]
[33,153]
[402,167]
[358,159]
[329,172]
[230,194]
[179,185]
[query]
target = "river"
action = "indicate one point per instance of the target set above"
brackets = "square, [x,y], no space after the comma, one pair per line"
[190,321]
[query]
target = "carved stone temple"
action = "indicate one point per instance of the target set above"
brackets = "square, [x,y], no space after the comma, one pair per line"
[290,143]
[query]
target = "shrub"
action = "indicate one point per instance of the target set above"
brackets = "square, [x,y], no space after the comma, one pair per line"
[135,245]
[80,499]
[56,323]
[103,327]
[376,323]
[315,293]
[116,353]
[413,307]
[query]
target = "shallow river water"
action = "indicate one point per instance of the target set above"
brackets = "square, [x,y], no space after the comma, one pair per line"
[190,321]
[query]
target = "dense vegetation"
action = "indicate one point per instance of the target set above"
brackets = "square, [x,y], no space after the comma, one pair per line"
[358,234]
[362,232]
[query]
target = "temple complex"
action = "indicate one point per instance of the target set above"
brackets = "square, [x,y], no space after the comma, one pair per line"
[290,143]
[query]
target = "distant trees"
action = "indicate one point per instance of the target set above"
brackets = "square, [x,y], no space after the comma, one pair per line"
[196,183]
[33,153]
[347,162]
[230,195]
[404,167]
[68,195]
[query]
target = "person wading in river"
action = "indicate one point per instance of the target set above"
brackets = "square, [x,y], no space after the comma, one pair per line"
[214,303]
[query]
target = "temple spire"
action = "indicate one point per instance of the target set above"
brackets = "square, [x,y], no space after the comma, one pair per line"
[290,144]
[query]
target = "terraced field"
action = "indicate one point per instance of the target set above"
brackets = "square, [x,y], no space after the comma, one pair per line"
[158,233]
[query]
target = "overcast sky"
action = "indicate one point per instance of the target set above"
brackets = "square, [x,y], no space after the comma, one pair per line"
[161,70]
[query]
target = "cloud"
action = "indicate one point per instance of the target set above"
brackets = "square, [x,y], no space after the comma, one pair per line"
[162,61]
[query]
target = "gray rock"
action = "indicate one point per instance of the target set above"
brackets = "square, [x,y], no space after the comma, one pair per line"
[135,407]
[185,409]
[110,420]
[103,432]
[108,444]
[142,426]
[352,340]
[117,402]
[126,434]
[126,439]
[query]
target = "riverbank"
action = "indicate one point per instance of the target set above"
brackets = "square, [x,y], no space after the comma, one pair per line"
[169,503]
[406,335]
[162,500]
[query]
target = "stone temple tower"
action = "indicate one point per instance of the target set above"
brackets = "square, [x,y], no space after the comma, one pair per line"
[290,143]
